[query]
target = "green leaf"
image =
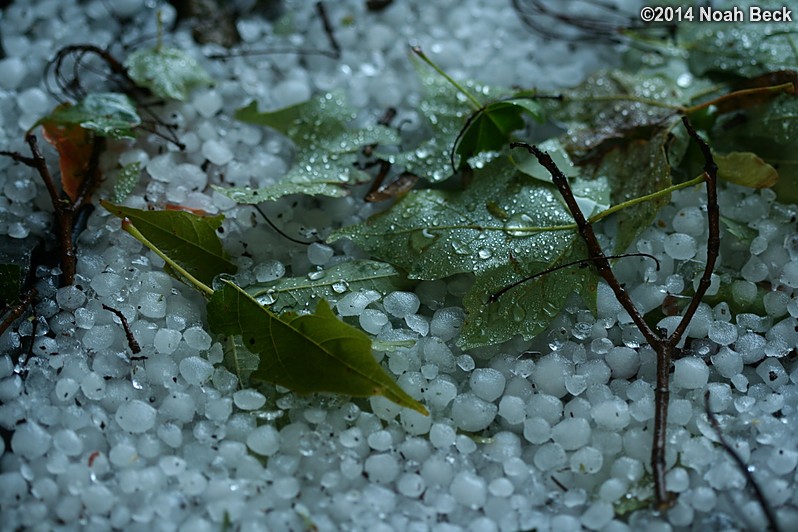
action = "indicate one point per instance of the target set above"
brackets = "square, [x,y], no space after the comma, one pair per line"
[308,353]
[446,111]
[771,132]
[489,128]
[108,114]
[188,239]
[302,293]
[637,169]
[10,283]
[239,360]
[740,49]
[167,72]
[126,180]
[327,148]
[493,229]
[746,169]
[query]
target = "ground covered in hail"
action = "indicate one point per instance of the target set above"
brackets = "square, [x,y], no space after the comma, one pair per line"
[538,419]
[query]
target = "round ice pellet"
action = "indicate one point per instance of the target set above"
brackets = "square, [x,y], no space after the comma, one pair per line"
[680,246]
[30,440]
[469,489]
[196,370]
[372,321]
[587,460]
[487,383]
[470,413]
[690,373]
[401,304]
[264,440]
[135,416]
[381,468]
[319,254]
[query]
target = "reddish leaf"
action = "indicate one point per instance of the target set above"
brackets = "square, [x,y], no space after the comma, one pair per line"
[74,146]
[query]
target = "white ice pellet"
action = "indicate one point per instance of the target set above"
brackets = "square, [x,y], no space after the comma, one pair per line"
[319,254]
[623,362]
[30,440]
[401,304]
[264,440]
[410,485]
[571,433]
[152,305]
[469,489]
[372,321]
[135,416]
[166,340]
[689,220]
[727,362]
[549,456]
[598,515]
[269,270]
[354,303]
[487,383]
[772,373]
[12,72]
[217,152]
[722,333]
[197,338]
[249,399]
[471,414]
[381,468]
[207,102]
[677,480]
[537,430]
[550,373]
[789,274]
[587,460]
[70,297]
[442,436]
[511,408]
[66,388]
[612,414]
[196,370]
[690,373]
[446,322]
[680,246]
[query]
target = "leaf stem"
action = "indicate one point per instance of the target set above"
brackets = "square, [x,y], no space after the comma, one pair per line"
[128,226]
[648,197]
[476,104]
[788,87]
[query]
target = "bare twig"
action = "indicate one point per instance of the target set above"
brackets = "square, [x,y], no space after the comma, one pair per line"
[328,28]
[280,231]
[749,477]
[664,346]
[131,340]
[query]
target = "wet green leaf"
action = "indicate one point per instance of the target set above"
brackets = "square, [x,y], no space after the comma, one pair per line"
[746,169]
[307,353]
[108,114]
[167,72]
[740,49]
[326,148]
[447,111]
[489,128]
[435,233]
[126,180]
[302,293]
[188,239]
[239,360]
[636,169]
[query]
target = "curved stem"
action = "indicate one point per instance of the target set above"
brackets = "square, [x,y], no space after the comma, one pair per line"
[476,104]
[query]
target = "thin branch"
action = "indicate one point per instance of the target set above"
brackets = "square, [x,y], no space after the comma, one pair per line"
[328,28]
[595,253]
[749,477]
[131,340]
[665,347]
[17,310]
[280,231]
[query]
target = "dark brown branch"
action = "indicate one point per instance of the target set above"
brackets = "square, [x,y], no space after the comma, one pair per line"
[665,347]
[328,28]
[749,477]
[595,253]
[131,340]
[17,310]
